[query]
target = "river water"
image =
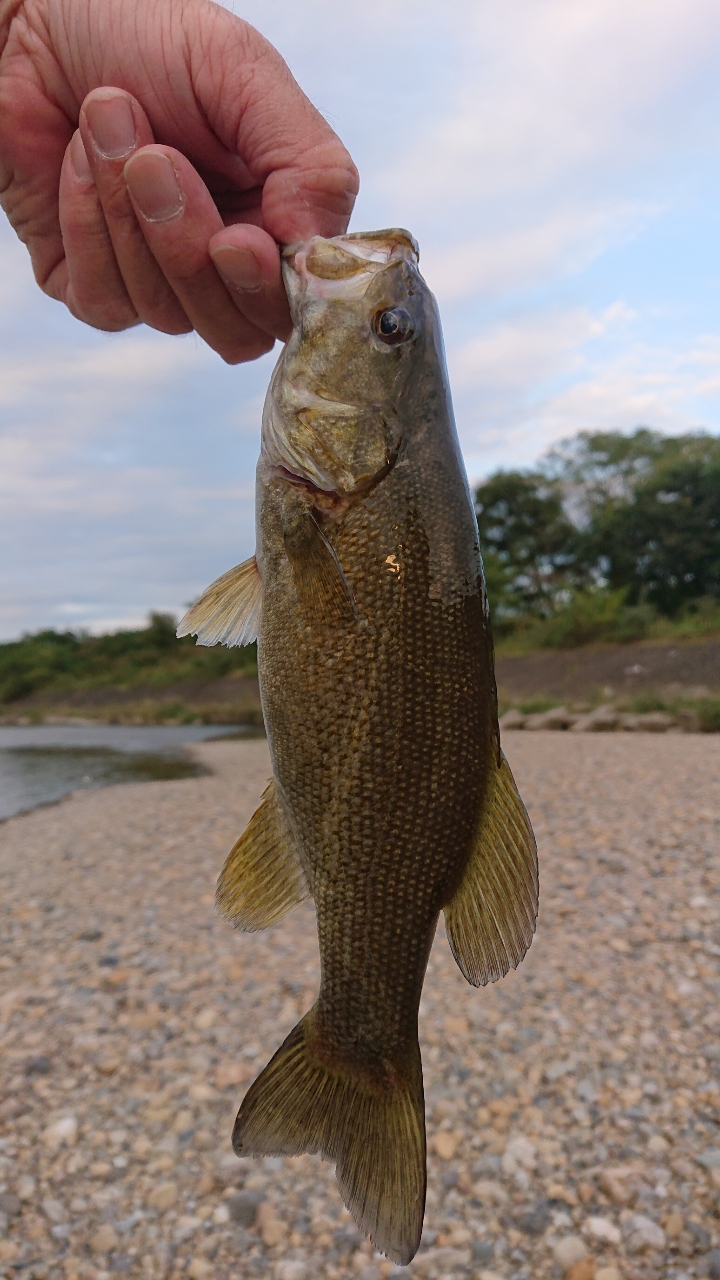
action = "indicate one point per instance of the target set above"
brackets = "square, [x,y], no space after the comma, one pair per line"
[42,763]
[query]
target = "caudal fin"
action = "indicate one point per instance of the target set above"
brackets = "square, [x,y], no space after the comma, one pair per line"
[374,1132]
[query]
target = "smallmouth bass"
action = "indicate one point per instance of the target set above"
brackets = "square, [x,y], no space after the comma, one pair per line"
[391,799]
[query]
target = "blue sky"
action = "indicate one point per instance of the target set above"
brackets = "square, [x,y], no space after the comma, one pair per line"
[559,164]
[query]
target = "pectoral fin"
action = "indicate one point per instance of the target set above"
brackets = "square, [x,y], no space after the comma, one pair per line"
[322,588]
[228,612]
[262,877]
[490,920]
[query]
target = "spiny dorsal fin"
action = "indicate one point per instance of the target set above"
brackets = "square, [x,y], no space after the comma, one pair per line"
[490,920]
[228,612]
[262,877]
[323,590]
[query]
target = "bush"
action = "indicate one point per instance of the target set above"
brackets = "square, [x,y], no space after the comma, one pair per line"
[590,617]
[708,710]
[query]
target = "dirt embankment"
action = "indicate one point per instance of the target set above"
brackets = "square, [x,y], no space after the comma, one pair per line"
[612,672]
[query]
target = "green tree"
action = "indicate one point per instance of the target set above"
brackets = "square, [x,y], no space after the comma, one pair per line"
[648,509]
[528,542]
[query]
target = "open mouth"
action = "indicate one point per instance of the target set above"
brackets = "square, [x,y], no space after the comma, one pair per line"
[334,501]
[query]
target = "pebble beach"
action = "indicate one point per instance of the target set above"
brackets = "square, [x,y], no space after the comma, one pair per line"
[573,1108]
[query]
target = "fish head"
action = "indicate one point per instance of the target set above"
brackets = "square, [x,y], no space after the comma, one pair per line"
[361,315]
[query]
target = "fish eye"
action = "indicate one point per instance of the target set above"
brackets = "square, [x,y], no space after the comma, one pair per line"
[394,326]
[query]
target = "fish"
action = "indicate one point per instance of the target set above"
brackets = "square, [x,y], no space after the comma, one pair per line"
[391,799]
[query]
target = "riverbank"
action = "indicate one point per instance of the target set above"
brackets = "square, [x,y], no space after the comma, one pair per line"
[573,1108]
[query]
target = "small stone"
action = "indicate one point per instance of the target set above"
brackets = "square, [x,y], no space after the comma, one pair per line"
[614,1182]
[658,1145]
[454,1026]
[10,1205]
[556,1191]
[602,1229]
[229,1073]
[520,1153]
[584,1269]
[163,1196]
[38,1066]
[674,1224]
[104,1240]
[569,1251]
[53,1210]
[710,1159]
[205,1019]
[489,1192]
[244,1206]
[536,1222]
[273,1231]
[446,1143]
[198,1268]
[290,1269]
[643,1234]
[221,1215]
[712,1263]
[483,1251]
[608,1273]
[489,1275]
[25,1187]
[63,1133]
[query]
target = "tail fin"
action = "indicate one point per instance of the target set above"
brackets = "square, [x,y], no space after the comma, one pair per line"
[374,1132]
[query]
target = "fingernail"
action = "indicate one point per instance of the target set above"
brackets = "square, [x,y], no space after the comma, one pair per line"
[79,160]
[154,186]
[238,266]
[112,125]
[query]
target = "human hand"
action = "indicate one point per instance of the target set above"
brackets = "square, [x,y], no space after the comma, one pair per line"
[152,158]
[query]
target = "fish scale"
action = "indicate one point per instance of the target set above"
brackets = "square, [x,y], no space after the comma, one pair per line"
[391,800]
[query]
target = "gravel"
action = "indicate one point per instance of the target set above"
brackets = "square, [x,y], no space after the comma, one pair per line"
[573,1109]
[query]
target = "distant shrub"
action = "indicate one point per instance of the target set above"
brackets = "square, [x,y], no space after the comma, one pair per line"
[708,710]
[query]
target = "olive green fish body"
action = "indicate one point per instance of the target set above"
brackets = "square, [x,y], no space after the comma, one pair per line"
[391,800]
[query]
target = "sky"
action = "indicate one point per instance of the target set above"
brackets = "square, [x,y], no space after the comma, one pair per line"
[558,163]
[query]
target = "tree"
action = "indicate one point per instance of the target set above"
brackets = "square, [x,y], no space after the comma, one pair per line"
[528,542]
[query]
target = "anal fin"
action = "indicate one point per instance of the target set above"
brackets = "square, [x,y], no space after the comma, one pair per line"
[490,920]
[262,878]
[228,612]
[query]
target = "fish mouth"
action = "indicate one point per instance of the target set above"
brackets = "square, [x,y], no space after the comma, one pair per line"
[345,265]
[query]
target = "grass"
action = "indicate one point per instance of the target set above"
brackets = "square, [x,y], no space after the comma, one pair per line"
[604,617]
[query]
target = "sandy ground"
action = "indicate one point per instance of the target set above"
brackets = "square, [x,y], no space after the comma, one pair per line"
[573,1109]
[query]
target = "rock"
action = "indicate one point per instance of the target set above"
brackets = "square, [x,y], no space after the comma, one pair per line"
[512,719]
[63,1133]
[163,1196]
[53,1210]
[584,1269]
[205,1019]
[710,1159]
[556,719]
[25,1187]
[221,1215]
[520,1153]
[483,1251]
[198,1268]
[654,722]
[608,1273]
[616,1183]
[446,1143]
[569,1250]
[536,1221]
[105,1239]
[712,1264]
[699,1236]
[688,720]
[273,1231]
[244,1206]
[602,720]
[603,1229]
[674,1224]
[556,1070]
[229,1073]
[290,1269]
[10,1205]
[441,1259]
[657,1144]
[38,1066]
[489,1275]
[642,1234]
[490,1192]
